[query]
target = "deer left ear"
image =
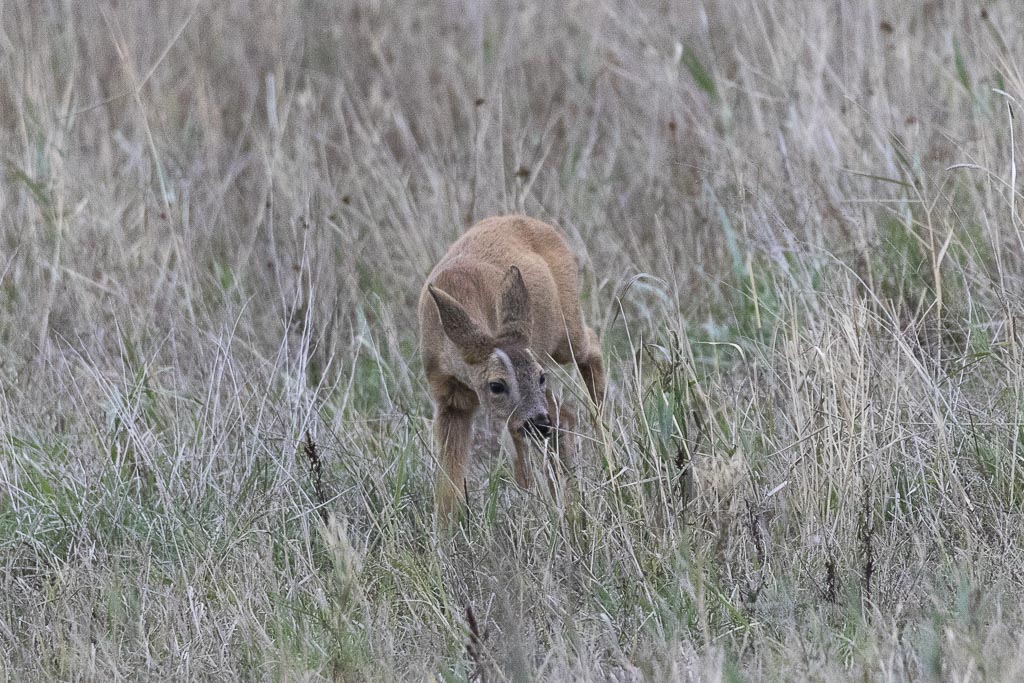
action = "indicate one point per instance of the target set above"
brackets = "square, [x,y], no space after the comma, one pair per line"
[474,344]
[514,310]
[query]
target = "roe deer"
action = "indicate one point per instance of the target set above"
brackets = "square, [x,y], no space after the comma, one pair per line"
[503,299]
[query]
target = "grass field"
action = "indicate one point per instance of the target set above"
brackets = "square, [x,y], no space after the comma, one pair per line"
[801,236]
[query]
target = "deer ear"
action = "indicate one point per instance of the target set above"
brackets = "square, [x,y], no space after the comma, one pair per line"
[514,310]
[474,344]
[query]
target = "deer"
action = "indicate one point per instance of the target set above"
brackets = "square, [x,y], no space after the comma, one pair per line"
[501,303]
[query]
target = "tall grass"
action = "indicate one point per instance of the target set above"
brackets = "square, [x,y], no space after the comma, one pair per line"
[800,230]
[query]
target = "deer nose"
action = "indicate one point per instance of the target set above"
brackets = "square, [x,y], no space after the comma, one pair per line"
[540,424]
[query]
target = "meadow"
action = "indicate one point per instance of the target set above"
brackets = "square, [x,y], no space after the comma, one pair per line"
[801,236]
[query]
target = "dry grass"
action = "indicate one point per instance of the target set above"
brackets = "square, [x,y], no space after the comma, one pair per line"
[802,240]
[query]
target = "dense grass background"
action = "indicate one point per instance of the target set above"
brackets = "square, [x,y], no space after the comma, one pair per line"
[801,236]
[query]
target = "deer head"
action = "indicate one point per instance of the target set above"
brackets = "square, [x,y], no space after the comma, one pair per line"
[507,376]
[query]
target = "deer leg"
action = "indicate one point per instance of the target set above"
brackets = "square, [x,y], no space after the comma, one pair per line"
[562,442]
[592,368]
[521,465]
[452,428]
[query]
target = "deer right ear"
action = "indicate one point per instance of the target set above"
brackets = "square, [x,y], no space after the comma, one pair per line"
[474,344]
[514,310]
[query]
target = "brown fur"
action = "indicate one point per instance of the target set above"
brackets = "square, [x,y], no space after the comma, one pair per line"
[501,301]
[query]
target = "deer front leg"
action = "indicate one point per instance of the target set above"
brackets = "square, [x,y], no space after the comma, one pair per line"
[564,426]
[562,453]
[521,465]
[592,368]
[563,422]
[452,428]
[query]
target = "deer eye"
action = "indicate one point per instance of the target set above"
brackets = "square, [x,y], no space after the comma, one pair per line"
[543,378]
[497,388]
